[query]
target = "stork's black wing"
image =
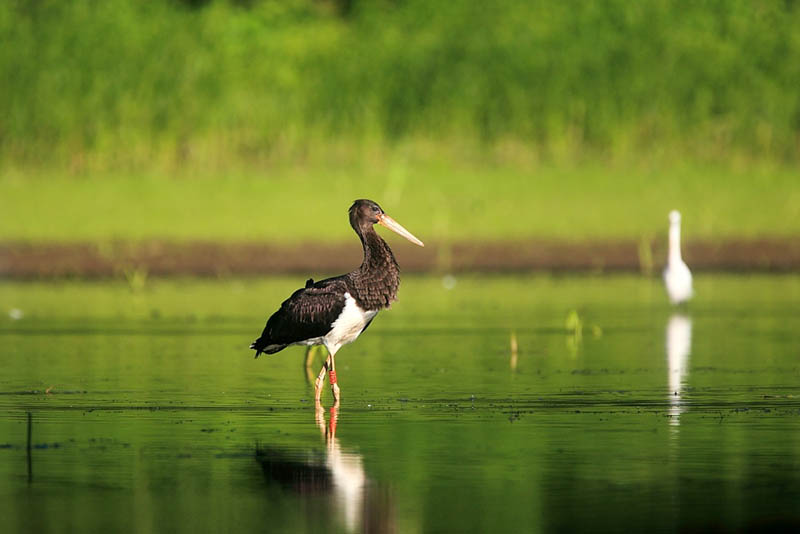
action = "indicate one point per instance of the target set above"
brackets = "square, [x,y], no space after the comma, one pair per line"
[307,314]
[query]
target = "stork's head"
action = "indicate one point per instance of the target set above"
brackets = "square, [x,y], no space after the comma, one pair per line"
[364,213]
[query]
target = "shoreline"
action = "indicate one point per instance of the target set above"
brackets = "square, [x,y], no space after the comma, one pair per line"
[19,260]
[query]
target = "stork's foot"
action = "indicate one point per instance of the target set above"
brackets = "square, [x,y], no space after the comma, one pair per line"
[319,412]
[318,384]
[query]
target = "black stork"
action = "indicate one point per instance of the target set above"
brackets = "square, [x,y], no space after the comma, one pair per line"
[334,311]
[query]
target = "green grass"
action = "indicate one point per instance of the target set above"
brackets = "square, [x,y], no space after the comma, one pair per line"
[437,200]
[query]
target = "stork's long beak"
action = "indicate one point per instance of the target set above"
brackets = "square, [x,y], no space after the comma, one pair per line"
[394,226]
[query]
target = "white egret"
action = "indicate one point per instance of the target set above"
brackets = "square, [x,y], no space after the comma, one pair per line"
[677,276]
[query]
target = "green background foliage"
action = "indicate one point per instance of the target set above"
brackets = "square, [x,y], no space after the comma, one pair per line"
[127,79]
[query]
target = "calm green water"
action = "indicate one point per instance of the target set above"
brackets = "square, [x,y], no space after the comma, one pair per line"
[148,413]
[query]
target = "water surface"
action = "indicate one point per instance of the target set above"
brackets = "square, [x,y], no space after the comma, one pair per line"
[147,412]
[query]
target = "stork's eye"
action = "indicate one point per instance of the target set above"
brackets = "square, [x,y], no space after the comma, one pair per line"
[376,209]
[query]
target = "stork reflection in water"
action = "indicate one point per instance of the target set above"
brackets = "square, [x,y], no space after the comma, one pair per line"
[335,311]
[333,480]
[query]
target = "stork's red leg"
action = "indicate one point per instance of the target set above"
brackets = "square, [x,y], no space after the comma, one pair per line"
[332,379]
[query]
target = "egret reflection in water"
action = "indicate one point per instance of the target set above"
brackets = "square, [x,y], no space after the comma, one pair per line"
[357,503]
[678,347]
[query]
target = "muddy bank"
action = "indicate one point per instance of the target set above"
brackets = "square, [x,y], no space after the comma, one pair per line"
[24,260]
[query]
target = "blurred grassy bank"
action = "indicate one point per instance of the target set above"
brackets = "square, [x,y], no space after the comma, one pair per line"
[440,200]
[262,121]
[137,84]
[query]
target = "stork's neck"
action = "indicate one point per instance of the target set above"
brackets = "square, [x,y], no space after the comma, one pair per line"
[375,283]
[675,243]
[378,256]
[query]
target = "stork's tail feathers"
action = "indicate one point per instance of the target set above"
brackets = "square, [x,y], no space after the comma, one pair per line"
[258,345]
[254,346]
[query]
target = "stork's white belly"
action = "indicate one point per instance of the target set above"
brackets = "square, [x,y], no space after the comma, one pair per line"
[346,328]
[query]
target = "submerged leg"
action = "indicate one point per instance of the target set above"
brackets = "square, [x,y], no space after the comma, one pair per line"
[319,413]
